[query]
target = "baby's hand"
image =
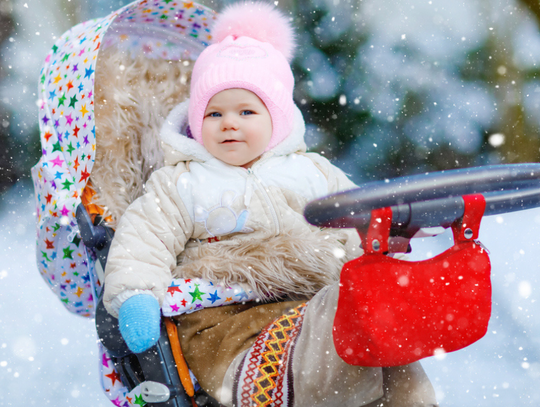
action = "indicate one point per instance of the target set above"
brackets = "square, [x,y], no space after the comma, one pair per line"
[139,319]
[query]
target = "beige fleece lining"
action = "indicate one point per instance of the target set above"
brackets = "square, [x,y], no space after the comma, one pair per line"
[301,262]
[130,109]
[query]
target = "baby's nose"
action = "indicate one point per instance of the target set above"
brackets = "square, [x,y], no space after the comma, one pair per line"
[229,122]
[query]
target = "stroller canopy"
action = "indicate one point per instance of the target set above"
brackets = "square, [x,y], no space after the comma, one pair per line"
[166,29]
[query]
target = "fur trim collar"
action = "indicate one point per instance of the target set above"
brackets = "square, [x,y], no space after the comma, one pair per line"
[295,263]
[178,147]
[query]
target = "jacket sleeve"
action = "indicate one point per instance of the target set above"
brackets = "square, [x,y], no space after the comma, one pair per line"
[150,235]
[337,179]
[337,182]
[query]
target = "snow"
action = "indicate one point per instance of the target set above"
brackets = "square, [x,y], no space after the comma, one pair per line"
[503,368]
[438,28]
[49,356]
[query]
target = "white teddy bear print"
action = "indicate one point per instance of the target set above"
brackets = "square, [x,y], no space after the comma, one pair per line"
[222,219]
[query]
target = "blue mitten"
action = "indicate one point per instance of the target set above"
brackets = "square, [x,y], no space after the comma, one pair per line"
[139,319]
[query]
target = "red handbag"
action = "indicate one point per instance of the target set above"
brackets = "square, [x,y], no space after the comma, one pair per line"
[392,312]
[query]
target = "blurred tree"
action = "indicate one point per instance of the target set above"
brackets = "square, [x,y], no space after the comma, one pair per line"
[391,88]
[7,173]
[512,77]
[534,7]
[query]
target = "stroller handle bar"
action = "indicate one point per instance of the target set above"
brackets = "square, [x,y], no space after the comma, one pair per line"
[431,199]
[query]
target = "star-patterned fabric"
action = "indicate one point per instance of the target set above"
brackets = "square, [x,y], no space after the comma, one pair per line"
[185,296]
[161,29]
[118,394]
[67,130]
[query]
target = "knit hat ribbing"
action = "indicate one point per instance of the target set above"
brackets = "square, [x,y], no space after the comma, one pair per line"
[243,58]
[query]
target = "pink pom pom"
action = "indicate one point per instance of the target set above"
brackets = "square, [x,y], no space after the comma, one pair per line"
[259,21]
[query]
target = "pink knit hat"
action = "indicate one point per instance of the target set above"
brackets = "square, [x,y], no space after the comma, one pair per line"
[253,44]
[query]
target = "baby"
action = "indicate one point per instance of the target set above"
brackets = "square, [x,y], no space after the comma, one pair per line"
[229,209]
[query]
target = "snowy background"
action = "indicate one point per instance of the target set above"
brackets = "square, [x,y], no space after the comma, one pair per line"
[49,357]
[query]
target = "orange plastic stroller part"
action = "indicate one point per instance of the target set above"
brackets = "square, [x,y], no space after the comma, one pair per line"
[93,210]
[181,364]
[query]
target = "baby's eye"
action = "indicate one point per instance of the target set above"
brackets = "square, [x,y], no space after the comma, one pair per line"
[247,112]
[214,114]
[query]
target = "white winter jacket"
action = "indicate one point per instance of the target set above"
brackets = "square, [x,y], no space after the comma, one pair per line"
[203,218]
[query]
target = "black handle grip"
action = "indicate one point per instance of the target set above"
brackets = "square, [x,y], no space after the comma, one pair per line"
[432,199]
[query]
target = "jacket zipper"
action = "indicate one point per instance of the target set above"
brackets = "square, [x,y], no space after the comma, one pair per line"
[266,198]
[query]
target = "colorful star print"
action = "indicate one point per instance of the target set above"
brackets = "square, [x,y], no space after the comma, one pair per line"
[68,253]
[214,297]
[65,211]
[173,288]
[139,400]
[241,295]
[72,101]
[83,110]
[114,376]
[196,294]
[67,184]
[61,100]
[105,359]
[188,295]
[57,161]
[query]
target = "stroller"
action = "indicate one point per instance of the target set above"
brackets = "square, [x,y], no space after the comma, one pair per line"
[132,67]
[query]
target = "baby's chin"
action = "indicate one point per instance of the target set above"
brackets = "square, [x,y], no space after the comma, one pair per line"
[240,162]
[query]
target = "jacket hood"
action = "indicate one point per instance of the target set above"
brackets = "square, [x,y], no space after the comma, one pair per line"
[178,147]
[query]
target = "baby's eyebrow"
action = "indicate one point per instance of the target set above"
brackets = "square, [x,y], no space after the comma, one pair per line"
[246,104]
[241,105]
[211,108]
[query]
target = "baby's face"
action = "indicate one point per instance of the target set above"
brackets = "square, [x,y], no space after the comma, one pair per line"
[237,127]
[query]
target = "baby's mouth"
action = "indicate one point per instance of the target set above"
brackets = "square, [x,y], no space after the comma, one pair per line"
[229,141]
